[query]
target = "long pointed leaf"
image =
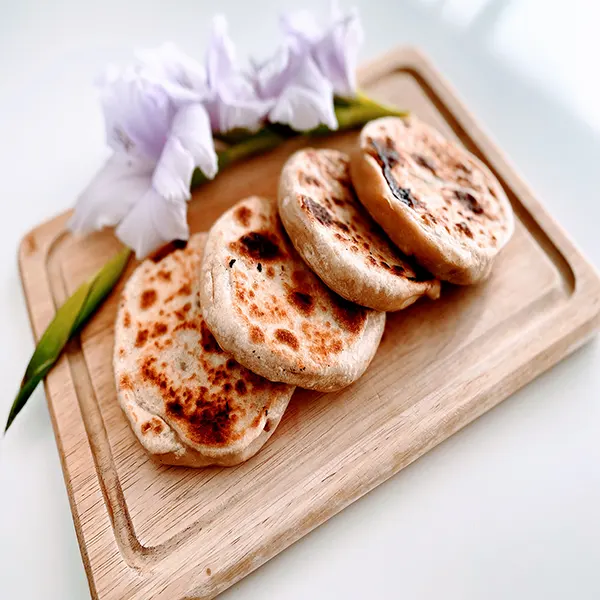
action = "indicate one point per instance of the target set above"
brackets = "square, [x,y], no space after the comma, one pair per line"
[57,334]
[69,318]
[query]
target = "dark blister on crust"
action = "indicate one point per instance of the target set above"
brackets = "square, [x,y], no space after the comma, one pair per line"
[387,158]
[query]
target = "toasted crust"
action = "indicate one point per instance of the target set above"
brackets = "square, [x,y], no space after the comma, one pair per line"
[338,238]
[435,200]
[188,402]
[265,306]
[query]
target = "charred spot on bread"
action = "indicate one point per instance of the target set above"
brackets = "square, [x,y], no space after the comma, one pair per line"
[147,299]
[243,215]
[167,249]
[159,329]
[240,387]
[424,161]
[154,425]
[256,335]
[125,382]
[322,214]
[318,211]
[464,228]
[302,301]
[386,155]
[306,179]
[185,289]
[387,158]
[207,419]
[285,336]
[349,316]
[141,338]
[469,201]
[258,245]
[209,344]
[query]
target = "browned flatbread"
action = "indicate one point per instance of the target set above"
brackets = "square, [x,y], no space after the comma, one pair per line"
[265,306]
[435,200]
[187,401]
[339,240]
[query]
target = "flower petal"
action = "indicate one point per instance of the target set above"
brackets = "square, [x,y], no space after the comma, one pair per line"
[302,96]
[220,55]
[111,193]
[184,78]
[334,47]
[307,101]
[233,102]
[272,75]
[301,24]
[153,222]
[337,53]
[236,105]
[138,113]
[190,145]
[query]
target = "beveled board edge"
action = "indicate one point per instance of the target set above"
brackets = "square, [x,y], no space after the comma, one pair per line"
[582,309]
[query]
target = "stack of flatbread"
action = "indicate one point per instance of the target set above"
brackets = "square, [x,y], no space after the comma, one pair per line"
[212,339]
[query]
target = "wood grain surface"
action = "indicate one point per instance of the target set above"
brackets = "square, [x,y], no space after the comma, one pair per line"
[151,531]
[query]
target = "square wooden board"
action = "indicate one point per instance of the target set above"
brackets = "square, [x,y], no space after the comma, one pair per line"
[150,531]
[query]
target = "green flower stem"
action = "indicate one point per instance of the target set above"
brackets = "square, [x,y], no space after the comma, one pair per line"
[262,141]
[69,319]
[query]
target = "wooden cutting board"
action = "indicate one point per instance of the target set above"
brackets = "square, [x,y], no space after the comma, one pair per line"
[150,531]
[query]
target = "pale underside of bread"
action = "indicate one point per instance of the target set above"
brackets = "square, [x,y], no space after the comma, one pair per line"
[435,200]
[265,306]
[338,238]
[187,401]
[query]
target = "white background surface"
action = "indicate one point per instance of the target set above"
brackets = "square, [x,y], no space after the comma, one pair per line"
[509,507]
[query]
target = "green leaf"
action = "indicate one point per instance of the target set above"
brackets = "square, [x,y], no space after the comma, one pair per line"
[69,319]
[234,136]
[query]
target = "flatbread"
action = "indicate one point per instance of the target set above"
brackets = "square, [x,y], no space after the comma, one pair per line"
[265,306]
[435,200]
[339,240]
[187,401]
